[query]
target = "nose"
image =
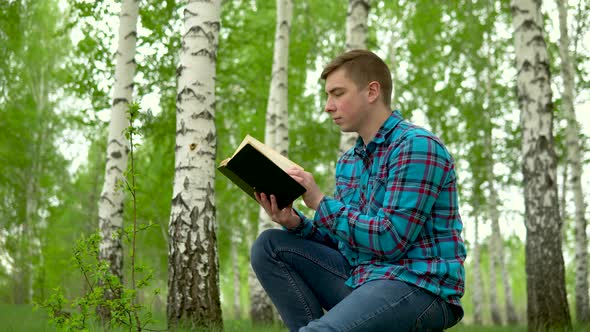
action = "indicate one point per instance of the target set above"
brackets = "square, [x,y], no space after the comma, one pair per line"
[330,107]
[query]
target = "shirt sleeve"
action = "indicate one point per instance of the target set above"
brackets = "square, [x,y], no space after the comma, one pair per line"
[312,232]
[417,170]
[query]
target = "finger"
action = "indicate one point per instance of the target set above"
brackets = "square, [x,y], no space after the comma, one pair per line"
[299,180]
[297,177]
[275,206]
[293,171]
[264,202]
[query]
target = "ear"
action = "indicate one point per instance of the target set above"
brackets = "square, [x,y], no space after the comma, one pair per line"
[374,91]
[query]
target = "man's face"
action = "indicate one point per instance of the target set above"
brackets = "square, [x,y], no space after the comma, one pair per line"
[345,103]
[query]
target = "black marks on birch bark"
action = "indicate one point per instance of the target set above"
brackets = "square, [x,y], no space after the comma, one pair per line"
[183,129]
[206,115]
[178,201]
[186,183]
[107,199]
[206,52]
[188,93]
[132,34]
[115,168]
[210,137]
[179,70]
[119,100]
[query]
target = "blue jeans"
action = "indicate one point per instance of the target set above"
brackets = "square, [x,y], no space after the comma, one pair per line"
[303,278]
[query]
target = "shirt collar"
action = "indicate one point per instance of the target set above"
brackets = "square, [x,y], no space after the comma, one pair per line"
[382,133]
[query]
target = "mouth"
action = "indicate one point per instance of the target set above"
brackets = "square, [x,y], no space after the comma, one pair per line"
[337,120]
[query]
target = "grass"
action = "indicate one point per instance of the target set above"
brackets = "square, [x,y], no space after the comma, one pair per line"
[22,318]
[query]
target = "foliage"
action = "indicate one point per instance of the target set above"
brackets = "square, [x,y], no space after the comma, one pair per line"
[124,308]
[446,55]
[31,166]
[78,313]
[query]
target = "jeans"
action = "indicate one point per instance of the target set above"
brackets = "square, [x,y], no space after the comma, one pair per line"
[303,278]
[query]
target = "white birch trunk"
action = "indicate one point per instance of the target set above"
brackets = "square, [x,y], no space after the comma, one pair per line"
[276,135]
[356,38]
[261,307]
[478,292]
[279,96]
[356,24]
[29,247]
[394,68]
[494,308]
[31,224]
[547,305]
[495,240]
[498,256]
[193,266]
[237,307]
[574,156]
[32,220]
[23,274]
[110,205]
[563,203]
[497,249]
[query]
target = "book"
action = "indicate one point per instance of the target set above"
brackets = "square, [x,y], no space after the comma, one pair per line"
[255,167]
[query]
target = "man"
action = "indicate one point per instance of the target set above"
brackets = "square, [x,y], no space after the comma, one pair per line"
[385,253]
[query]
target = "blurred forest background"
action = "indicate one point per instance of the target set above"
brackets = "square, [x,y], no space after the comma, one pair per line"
[453,64]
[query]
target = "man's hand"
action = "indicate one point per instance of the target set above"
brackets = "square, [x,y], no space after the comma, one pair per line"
[313,195]
[285,217]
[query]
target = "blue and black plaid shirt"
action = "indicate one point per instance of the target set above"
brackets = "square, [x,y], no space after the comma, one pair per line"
[395,212]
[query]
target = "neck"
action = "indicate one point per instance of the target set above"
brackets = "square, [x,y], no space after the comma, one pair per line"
[375,120]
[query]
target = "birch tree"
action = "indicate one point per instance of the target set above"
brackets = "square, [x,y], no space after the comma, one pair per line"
[32,54]
[278,96]
[193,266]
[497,257]
[110,206]
[574,155]
[563,203]
[547,306]
[478,293]
[496,250]
[235,263]
[497,247]
[356,38]
[275,136]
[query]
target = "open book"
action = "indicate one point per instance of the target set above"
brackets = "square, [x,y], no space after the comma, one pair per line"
[255,167]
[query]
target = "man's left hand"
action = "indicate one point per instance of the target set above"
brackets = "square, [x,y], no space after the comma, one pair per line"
[313,195]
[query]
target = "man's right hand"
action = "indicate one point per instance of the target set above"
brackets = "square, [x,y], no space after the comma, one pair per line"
[285,217]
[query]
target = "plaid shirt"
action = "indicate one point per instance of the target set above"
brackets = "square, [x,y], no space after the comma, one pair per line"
[395,212]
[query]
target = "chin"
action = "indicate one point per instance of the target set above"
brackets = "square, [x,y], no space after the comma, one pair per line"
[347,130]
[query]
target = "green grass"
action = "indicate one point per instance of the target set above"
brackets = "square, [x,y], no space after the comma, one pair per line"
[471,328]
[22,318]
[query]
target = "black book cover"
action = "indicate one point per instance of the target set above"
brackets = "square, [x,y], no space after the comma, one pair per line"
[253,172]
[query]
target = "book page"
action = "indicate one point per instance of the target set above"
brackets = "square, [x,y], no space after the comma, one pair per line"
[282,161]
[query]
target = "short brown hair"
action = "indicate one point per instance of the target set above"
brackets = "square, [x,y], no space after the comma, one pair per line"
[363,67]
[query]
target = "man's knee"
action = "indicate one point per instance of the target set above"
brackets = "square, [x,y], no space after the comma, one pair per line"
[320,325]
[261,249]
